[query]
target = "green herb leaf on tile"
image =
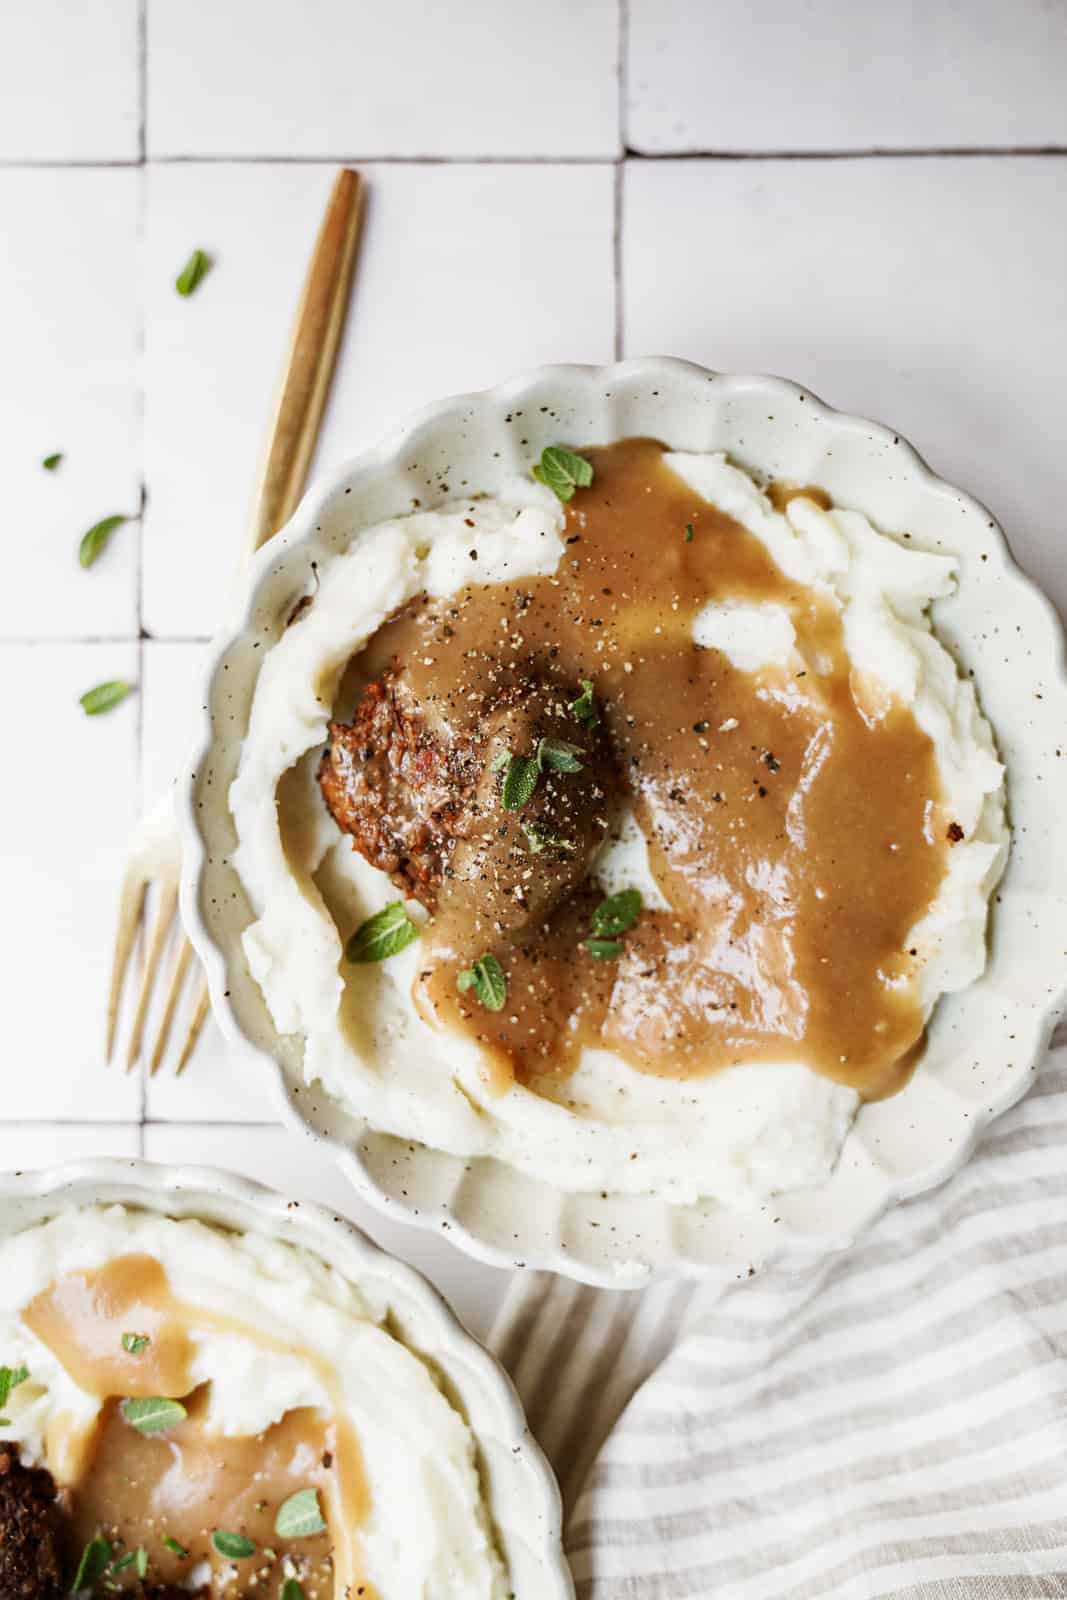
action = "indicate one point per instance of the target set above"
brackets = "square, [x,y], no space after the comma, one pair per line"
[104,697]
[95,541]
[193,273]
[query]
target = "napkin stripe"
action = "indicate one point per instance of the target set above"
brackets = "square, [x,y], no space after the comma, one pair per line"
[886,1421]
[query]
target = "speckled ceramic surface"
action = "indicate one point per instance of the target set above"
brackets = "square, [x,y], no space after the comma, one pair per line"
[521,1491]
[984,1045]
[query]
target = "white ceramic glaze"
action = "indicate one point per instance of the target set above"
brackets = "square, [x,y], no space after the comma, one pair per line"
[521,1492]
[984,1045]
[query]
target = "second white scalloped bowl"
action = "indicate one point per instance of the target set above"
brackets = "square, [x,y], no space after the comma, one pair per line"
[984,1044]
[519,1488]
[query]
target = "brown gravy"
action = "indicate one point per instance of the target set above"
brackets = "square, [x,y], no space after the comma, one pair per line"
[797,834]
[189,1482]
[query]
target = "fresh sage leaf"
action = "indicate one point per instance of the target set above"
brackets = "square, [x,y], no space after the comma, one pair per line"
[10,1378]
[153,1414]
[539,838]
[96,1558]
[175,1548]
[232,1545]
[50,463]
[563,471]
[486,979]
[559,755]
[104,697]
[389,931]
[135,1344]
[583,709]
[520,781]
[617,913]
[299,1517]
[603,949]
[193,273]
[95,541]
[291,1590]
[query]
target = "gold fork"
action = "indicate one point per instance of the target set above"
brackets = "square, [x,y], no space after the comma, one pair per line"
[155,851]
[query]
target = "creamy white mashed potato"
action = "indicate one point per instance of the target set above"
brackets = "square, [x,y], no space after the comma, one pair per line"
[738,1134]
[428,1531]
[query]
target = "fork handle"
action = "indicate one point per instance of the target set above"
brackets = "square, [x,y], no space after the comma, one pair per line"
[309,363]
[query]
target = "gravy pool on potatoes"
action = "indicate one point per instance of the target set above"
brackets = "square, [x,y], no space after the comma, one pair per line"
[796,839]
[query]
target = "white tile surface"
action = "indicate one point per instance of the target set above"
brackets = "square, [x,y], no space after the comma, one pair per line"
[926,294]
[27,1146]
[69,81]
[295,1166]
[216,1084]
[69,292]
[171,701]
[354,78]
[835,75]
[467,274]
[66,821]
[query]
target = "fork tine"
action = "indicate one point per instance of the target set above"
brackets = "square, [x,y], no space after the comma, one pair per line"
[181,967]
[131,907]
[168,906]
[203,1004]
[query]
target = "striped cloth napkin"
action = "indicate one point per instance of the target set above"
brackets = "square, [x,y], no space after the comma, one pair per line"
[889,1421]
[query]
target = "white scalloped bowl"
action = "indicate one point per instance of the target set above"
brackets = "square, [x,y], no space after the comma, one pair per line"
[984,1044]
[521,1492]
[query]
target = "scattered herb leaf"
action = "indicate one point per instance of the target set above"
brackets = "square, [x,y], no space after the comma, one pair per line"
[104,697]
[539,838]
[193,273]
[299,1517]
[563,471]
[153,1414]
[10,1378]
[689,533]
[175,1548]
[135,1344]
[603,949]
[583,709]
[486,978]
[142,1562]
[96,1558]
[50,463]
[559,755]
[389,931]
[232,1545]
[617,913]
[520,781]
[95,541]
[291,1590]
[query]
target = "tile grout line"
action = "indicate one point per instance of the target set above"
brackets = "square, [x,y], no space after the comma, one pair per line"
[871,153]
[622,76]
[620,171]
